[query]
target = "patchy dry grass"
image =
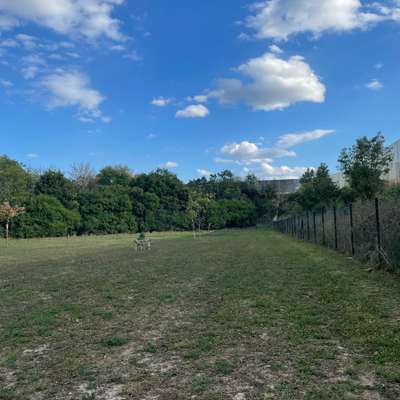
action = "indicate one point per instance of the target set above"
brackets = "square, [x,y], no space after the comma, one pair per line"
[232,315]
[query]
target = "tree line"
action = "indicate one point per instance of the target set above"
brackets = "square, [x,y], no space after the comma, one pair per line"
[50,204]
[114,200]
[364,166]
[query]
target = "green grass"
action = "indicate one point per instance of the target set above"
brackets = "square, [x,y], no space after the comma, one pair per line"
[241,314]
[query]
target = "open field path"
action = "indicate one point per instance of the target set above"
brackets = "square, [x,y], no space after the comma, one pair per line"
[241,315]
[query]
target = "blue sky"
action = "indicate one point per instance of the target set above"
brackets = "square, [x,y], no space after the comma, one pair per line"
[271,87]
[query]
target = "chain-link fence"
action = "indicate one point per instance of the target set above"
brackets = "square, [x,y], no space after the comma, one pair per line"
[367,230]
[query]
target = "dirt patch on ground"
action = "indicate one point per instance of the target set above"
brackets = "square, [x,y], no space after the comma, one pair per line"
[38,351]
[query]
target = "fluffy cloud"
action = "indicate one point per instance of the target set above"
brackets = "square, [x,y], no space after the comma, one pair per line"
[293,139]
[275,49]
[88,18]
[279,19]
[194,111]
[276,84]
[8,43]
[198,99]
[6,84]
[374,85]
[267,171]
[170,165]
[203,173]
[246,153]
[262,158]
[161,101]
[30,71]
[68,89]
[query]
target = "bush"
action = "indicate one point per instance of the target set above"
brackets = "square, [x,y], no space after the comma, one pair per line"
[45,217]
[106,210]
[239,213]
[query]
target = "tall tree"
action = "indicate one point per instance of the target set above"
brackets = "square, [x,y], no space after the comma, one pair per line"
[55,184]
[15,182]
[118,175]
[83,176]
[365,164]
[317,190]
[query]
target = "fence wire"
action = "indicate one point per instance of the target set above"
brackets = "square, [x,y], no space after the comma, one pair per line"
[368,230]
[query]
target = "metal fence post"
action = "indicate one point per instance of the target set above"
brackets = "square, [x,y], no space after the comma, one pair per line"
[323,225]
[314,227]
[378,230]
[302,227]
[335,225]
[353,252]
[308,226]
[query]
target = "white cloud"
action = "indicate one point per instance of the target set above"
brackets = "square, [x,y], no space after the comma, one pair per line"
[293,139]
[202,98]
[6,84]
[8,43]
[118,47]
[170,165]
[279,19]
[275,84]
[374,85]
[133,56]
[161,101]
[34,59]
[29,42]
[30,72]
[203,173]
[89,18]
[262,158]
[33,64]
[245,37]
[32,155]
[267,171]
[246,153]
[7,22]
[194,111]
[68,89]
[275,49]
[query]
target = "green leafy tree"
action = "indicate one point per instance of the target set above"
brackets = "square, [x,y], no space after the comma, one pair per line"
[145,207]
[173,196]
[45,216]
[55,184]
[214,215]
[15,182]
[325,189]
[107,210]
[118,175]
[239,213]
[365,164]
[317,190]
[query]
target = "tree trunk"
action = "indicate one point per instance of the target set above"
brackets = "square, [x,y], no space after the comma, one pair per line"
[194,228]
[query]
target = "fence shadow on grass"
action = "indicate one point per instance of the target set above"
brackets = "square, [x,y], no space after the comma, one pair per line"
[368,230]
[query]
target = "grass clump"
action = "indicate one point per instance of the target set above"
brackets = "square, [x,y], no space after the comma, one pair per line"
[112,341]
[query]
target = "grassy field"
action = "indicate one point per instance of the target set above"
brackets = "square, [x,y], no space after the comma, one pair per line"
[233,315]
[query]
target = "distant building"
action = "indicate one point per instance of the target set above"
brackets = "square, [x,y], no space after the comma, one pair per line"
[394,173]
[393,177]
[282,186]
